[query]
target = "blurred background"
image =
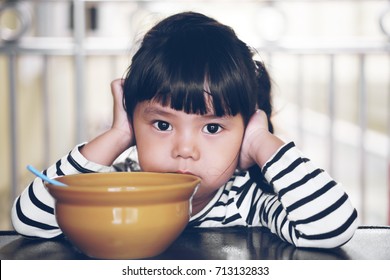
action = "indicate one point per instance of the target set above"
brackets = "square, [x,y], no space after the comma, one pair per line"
[329,60]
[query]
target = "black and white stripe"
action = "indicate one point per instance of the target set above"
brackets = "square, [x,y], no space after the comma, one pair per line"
[308,208]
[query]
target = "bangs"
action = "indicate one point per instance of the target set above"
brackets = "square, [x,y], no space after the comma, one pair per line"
[195,95]
[195,71]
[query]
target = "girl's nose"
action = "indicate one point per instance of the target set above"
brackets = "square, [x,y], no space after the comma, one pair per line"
[185,147]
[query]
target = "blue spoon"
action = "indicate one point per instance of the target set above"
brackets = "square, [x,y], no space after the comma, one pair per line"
[44,177]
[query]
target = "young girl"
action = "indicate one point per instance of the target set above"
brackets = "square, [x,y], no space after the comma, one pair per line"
[196,102]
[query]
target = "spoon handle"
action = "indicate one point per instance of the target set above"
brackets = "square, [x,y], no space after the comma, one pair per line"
[44,177]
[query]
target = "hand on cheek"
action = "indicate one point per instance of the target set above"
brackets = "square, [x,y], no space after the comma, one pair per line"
[258,144]
[121,122]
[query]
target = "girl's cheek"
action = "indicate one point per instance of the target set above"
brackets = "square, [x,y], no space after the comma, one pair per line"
[151,159]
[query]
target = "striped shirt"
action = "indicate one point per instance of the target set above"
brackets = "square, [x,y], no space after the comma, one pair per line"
[308,208]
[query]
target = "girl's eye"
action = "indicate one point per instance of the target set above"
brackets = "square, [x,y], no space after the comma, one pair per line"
[162,126]
[212,128]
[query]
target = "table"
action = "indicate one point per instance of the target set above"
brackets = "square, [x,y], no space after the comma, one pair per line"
[369,242]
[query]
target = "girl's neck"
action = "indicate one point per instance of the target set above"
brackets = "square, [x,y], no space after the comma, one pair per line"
[199,203]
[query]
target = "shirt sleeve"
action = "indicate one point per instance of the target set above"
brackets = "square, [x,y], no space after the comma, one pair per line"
[309,209]
[32,213]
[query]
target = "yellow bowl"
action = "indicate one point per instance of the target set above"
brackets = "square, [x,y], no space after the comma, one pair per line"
[123,215]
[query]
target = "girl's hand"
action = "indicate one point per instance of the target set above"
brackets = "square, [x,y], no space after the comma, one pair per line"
[105,148]
[258,144]
[121,122]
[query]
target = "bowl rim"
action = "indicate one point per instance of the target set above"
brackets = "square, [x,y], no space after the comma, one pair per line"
[191,182]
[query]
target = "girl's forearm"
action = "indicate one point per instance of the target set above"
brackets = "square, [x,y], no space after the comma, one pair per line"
[105,148]
[266,146]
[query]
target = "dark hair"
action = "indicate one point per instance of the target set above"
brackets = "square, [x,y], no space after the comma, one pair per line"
[192,62]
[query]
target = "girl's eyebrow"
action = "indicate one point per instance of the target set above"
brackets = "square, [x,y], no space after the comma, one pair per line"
[213,117]
[156,111]
[151,110]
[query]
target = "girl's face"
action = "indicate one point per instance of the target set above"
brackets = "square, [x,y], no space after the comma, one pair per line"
[203,145]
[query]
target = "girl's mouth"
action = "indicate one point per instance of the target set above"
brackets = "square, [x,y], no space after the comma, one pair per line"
[185,172]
